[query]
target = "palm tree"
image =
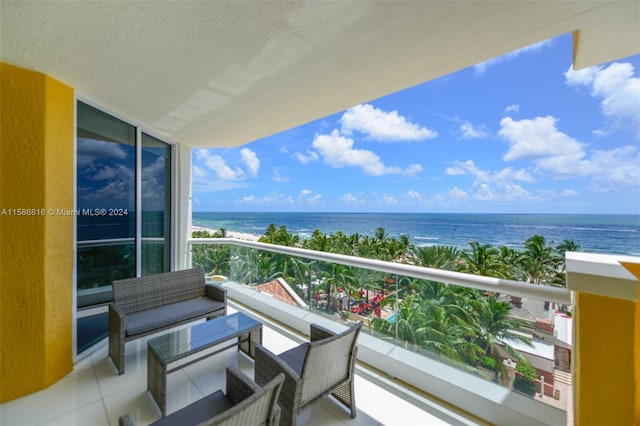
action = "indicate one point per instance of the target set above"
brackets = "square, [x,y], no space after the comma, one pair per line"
[244,265]
[565,246]
[539,262]
[496,329]
[298,269]
[340,276]
[439,257]
[484,260]
[279,236]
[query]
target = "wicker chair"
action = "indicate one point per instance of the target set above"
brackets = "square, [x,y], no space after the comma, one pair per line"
[245,404]
[323,366]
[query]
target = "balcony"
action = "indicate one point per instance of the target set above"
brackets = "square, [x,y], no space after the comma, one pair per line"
[394,385]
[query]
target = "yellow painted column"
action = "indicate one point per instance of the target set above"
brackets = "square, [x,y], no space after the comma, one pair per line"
[606,359]
[36,244]
[634,268]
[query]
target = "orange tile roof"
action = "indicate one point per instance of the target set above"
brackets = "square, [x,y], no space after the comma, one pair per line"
[276,289]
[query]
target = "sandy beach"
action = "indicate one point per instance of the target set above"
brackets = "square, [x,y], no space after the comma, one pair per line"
[230,234]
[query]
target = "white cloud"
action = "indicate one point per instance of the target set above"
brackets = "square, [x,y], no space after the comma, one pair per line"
[484,193]
[337,151]
[388,199]
[512,108]
[457,194]
[250,159]
[113,172]
[482,67]
[382,126]
[90,150]
[307,196]
[540,141]
[201,185]
[153,183]
[619,167]
[304,159]
[482,176]
[272,199]
[414,195]
[618,90]
[277,199]
[488,186]
[199,171]
[223,171]
[455,171]
[469,131]
[278,178]
[349,198]
[569,193]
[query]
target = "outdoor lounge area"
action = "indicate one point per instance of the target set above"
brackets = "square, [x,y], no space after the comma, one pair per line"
[94,393]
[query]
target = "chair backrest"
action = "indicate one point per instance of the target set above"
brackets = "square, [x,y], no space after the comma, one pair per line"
[329,362]
[151,291]
[256,410]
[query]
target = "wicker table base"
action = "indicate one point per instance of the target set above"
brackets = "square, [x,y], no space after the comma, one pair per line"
[171,347]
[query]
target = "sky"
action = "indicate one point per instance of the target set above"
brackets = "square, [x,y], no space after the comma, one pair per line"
[522,133]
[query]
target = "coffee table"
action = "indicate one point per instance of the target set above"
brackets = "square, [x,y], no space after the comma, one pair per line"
[193,341]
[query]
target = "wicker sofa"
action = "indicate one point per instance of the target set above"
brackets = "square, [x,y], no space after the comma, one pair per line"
[146,305]
[244,404]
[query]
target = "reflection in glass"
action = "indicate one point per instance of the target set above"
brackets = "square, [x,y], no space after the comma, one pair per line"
[105,184]
[156,206]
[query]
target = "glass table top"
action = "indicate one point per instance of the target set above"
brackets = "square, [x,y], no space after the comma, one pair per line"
[180,343]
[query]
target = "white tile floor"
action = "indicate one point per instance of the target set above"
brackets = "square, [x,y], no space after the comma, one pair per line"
[95,395]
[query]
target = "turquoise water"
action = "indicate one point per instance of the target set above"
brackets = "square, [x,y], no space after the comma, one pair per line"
[613,234]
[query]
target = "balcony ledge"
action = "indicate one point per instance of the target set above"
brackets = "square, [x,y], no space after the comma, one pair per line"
[605,275]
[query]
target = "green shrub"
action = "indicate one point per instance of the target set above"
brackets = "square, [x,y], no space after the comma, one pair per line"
[489,363]
[525,380]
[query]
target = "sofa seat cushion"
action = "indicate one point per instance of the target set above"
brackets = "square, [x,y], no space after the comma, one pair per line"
[199,412]
[163,316]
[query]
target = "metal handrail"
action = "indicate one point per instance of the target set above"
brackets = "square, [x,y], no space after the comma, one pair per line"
[498,285]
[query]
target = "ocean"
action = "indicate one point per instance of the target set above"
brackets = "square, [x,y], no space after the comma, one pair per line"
[610,234]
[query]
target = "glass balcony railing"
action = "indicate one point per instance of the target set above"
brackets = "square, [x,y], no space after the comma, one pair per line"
[497,339]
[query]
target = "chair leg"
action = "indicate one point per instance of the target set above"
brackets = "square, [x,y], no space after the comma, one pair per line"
[116,353]
[345,394]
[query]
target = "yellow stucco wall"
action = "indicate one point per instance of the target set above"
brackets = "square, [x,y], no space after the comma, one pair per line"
[605,362]
[36,246]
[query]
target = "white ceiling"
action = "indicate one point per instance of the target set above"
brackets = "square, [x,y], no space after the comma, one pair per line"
[224,73]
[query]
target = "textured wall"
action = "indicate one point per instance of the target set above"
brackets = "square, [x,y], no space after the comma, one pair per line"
[606,337]
[36,244]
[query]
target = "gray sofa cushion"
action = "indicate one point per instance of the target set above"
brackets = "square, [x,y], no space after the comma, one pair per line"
[198,412]
[174,313]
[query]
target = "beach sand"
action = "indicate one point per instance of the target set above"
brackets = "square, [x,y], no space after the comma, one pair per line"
[230,234]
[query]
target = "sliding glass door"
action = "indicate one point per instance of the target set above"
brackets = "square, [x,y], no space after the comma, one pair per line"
[124,205]
[156,205]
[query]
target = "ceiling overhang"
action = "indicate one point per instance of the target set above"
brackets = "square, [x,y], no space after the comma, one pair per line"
[225,73]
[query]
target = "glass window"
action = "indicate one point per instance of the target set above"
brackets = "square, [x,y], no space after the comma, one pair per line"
[106,158]
[107,220]
[156,205]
